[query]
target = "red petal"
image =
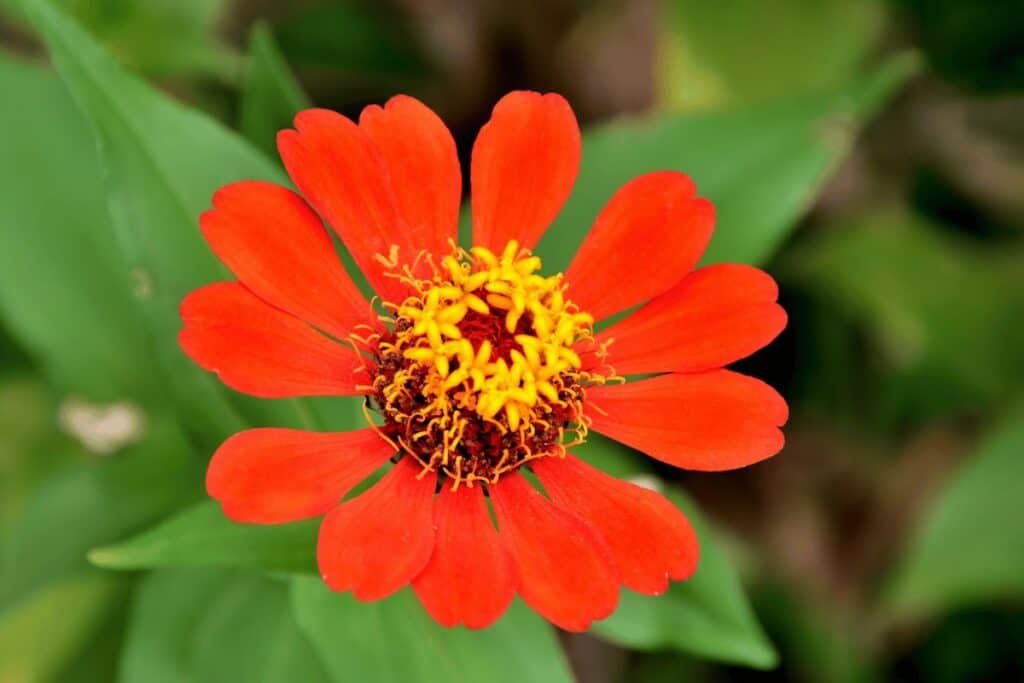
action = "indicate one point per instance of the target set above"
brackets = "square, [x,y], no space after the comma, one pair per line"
[649,537]
[269,476]
[420,155]
[524,164]
[715,316]
[377,542]
[646,238]
[566,571]
[260,350]
[470,578]
[339,169]
[274,243]
[717,420]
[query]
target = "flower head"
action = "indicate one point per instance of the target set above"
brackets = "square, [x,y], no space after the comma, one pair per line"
[474,364]
[477,373]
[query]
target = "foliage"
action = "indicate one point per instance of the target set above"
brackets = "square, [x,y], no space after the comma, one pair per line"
[968,550]
[110,155]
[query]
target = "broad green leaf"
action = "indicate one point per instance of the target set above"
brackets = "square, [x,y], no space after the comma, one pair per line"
[707,616]
[65,293]
[203,536]
[762,166]
[43,632]
[95,503]
[395,640]
[270,94]
[715,54]
[167,37]
[211,626]
[28,450]
[99,658]
[923,316]
[162,163]
[970,545]
[159,37]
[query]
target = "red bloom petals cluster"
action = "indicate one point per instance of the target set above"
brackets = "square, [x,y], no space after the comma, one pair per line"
[294,324]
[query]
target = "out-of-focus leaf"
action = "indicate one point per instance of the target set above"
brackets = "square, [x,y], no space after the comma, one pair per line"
[334,413]
[211,626]
[707,616]
[93,504]
[169,37]
[159,37]
[98,659]
[203,536]
[44,631]
[28,450]
[816,642]
[357,641]
[762,166]
[64,292]
[714,54]
[612,457]
[156,37]
[945,321]
[162,162]
[970,546]
[270,94]
[351,36]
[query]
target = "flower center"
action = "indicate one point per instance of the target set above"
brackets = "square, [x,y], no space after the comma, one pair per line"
[477,374]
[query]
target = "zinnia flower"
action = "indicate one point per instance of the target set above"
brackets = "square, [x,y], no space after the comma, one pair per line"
[475,365]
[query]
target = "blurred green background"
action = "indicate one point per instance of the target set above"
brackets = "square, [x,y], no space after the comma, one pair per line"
[868,153]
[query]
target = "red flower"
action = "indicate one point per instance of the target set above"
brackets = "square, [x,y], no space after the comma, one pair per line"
[480,366]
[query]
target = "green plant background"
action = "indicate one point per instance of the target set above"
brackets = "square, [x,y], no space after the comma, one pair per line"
[867,154]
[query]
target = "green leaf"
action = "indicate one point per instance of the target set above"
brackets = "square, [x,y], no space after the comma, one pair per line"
[162,163]
[211,626]
[612,457]
[29,450]
[969,548]
[707,616]
[160,37]
[762,166]
[921,316]
[96,503]
[395,640]
[43,632]
[98,659]
[203,536]
[157,37]
[713,54]
[270,94]
[65,294]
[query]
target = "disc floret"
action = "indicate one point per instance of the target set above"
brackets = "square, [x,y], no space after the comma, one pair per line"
[478,372]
